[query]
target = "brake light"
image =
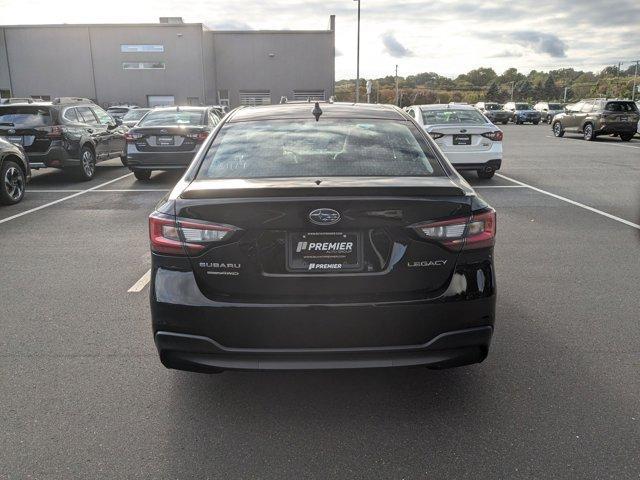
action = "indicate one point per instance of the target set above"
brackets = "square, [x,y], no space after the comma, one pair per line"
[199,137]
[462,233]
[436,135]
[178,236]
[132,137]
[55,132]
[495,136]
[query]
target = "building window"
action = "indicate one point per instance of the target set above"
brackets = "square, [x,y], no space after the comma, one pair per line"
[223,97]
[142,48]
[315,95]
[255,97]
[143,65]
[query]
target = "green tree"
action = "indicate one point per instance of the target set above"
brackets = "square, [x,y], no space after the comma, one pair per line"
[493,92]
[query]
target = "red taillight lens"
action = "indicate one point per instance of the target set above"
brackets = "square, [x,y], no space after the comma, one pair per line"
[495,136]
[178,236]
[435,135]
[199,137]
[132,137]
[464,233]
[55,132]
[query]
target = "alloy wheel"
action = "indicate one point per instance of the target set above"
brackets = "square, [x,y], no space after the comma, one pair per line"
[88,164]
[14,183]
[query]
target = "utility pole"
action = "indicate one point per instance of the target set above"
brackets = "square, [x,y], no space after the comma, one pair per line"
[513,84]
[377,91]
[635,77]
[565,95]
[358,58]
[397,98]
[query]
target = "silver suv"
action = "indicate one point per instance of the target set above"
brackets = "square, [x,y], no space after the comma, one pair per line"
[548,110]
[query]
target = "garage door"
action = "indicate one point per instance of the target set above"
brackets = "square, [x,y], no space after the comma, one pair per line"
[160,100]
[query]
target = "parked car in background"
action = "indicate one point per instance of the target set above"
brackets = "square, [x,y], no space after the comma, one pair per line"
[168,138]
[599,116]
[119,111]
[14,172]
[522,113]
[321,237]
[12,100]
[494,112]
[220,110]
[69,133]
[133,116]
[467,138]
[548,110]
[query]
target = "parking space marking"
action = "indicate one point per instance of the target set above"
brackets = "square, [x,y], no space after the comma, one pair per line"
[604,143]
[68,197]
[572,202]
[140,284]
[498,186]
[104,190]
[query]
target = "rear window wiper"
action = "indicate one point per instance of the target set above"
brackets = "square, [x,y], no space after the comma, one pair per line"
[7,124]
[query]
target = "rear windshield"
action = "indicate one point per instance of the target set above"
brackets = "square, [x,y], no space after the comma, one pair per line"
[453,115]
[173,117]
[306,148]
[522,106]
[117,110]
[492,106]
[555,106]
[25,117]
[136,114]
[621,107]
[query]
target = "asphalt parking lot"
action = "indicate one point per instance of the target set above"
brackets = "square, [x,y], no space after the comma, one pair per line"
[84,395]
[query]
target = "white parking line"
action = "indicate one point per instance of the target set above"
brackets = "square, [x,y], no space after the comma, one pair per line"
[140,284]
[605,143]
[498,186]
[572,202]
[68,197]
[102,190]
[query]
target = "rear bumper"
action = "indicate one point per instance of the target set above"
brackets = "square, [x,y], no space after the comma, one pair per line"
[158,160]
[605,129]
[56,156]
[479,158]
[494,164]
[198,353]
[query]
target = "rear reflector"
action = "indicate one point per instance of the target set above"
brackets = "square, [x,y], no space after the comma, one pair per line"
[178,236]
[462,233]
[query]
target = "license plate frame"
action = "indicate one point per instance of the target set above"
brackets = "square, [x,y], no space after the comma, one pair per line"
[165,140]
[304,256]
[462,139]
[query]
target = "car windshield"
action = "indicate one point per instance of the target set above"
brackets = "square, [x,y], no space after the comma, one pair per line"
[25,117]
[305,148]
[555,106]
[621,107]
[492,106]
[173,117]
[522,106]
[452,115]
[136,114]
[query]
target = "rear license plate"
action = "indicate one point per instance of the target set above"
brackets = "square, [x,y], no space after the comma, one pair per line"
[16,140]
[317,252]
[462,139]
[165,140]
[624,119]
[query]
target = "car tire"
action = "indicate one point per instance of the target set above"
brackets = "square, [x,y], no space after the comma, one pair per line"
[142,175]
[485,175]
[536,122]
[587,132]
[558,131]
[13,183]
[626,137]
[504,122]
[87,168]
[123,159]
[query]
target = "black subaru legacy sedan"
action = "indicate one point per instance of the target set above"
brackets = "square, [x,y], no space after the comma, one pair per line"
[321,236]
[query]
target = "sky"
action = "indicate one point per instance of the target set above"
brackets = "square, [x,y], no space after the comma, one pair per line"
[448,37]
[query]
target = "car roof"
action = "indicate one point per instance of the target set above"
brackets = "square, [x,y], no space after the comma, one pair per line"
[446,106]
[178,107]
[329,110]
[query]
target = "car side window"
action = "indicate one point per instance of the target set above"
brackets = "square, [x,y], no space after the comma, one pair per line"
[70,115]
[576,107]
[213,119]
[85,115]
[587,107]
[103,117]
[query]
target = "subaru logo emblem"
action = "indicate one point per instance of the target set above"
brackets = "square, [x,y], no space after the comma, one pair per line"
[163,131]
[463,130]
[11,131]
[324,216]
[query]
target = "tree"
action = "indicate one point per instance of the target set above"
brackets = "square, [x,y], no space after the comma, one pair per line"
[524,90]
[493,92]
[549,88]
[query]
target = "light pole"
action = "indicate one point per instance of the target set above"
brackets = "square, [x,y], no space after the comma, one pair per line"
[397,98]
[513,84]
[358,57]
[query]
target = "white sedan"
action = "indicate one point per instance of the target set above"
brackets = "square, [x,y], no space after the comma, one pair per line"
[465,136]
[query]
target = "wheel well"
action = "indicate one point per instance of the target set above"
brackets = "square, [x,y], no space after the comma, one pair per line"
[90,146]
[17,160]
[587,123]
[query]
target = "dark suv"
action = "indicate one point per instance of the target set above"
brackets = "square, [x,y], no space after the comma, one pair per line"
[598,116]
[69,133]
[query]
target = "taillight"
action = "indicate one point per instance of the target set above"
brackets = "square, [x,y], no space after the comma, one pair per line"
[462,233]
[178,236]
[435,135]
[199,137]
[132,137]
[55,132]
[495,136]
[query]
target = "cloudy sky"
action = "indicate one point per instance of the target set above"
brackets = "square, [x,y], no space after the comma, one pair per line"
[445,36]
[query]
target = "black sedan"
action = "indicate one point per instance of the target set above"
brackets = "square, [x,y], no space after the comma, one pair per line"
[14,172]
[319,238]
[168,138]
